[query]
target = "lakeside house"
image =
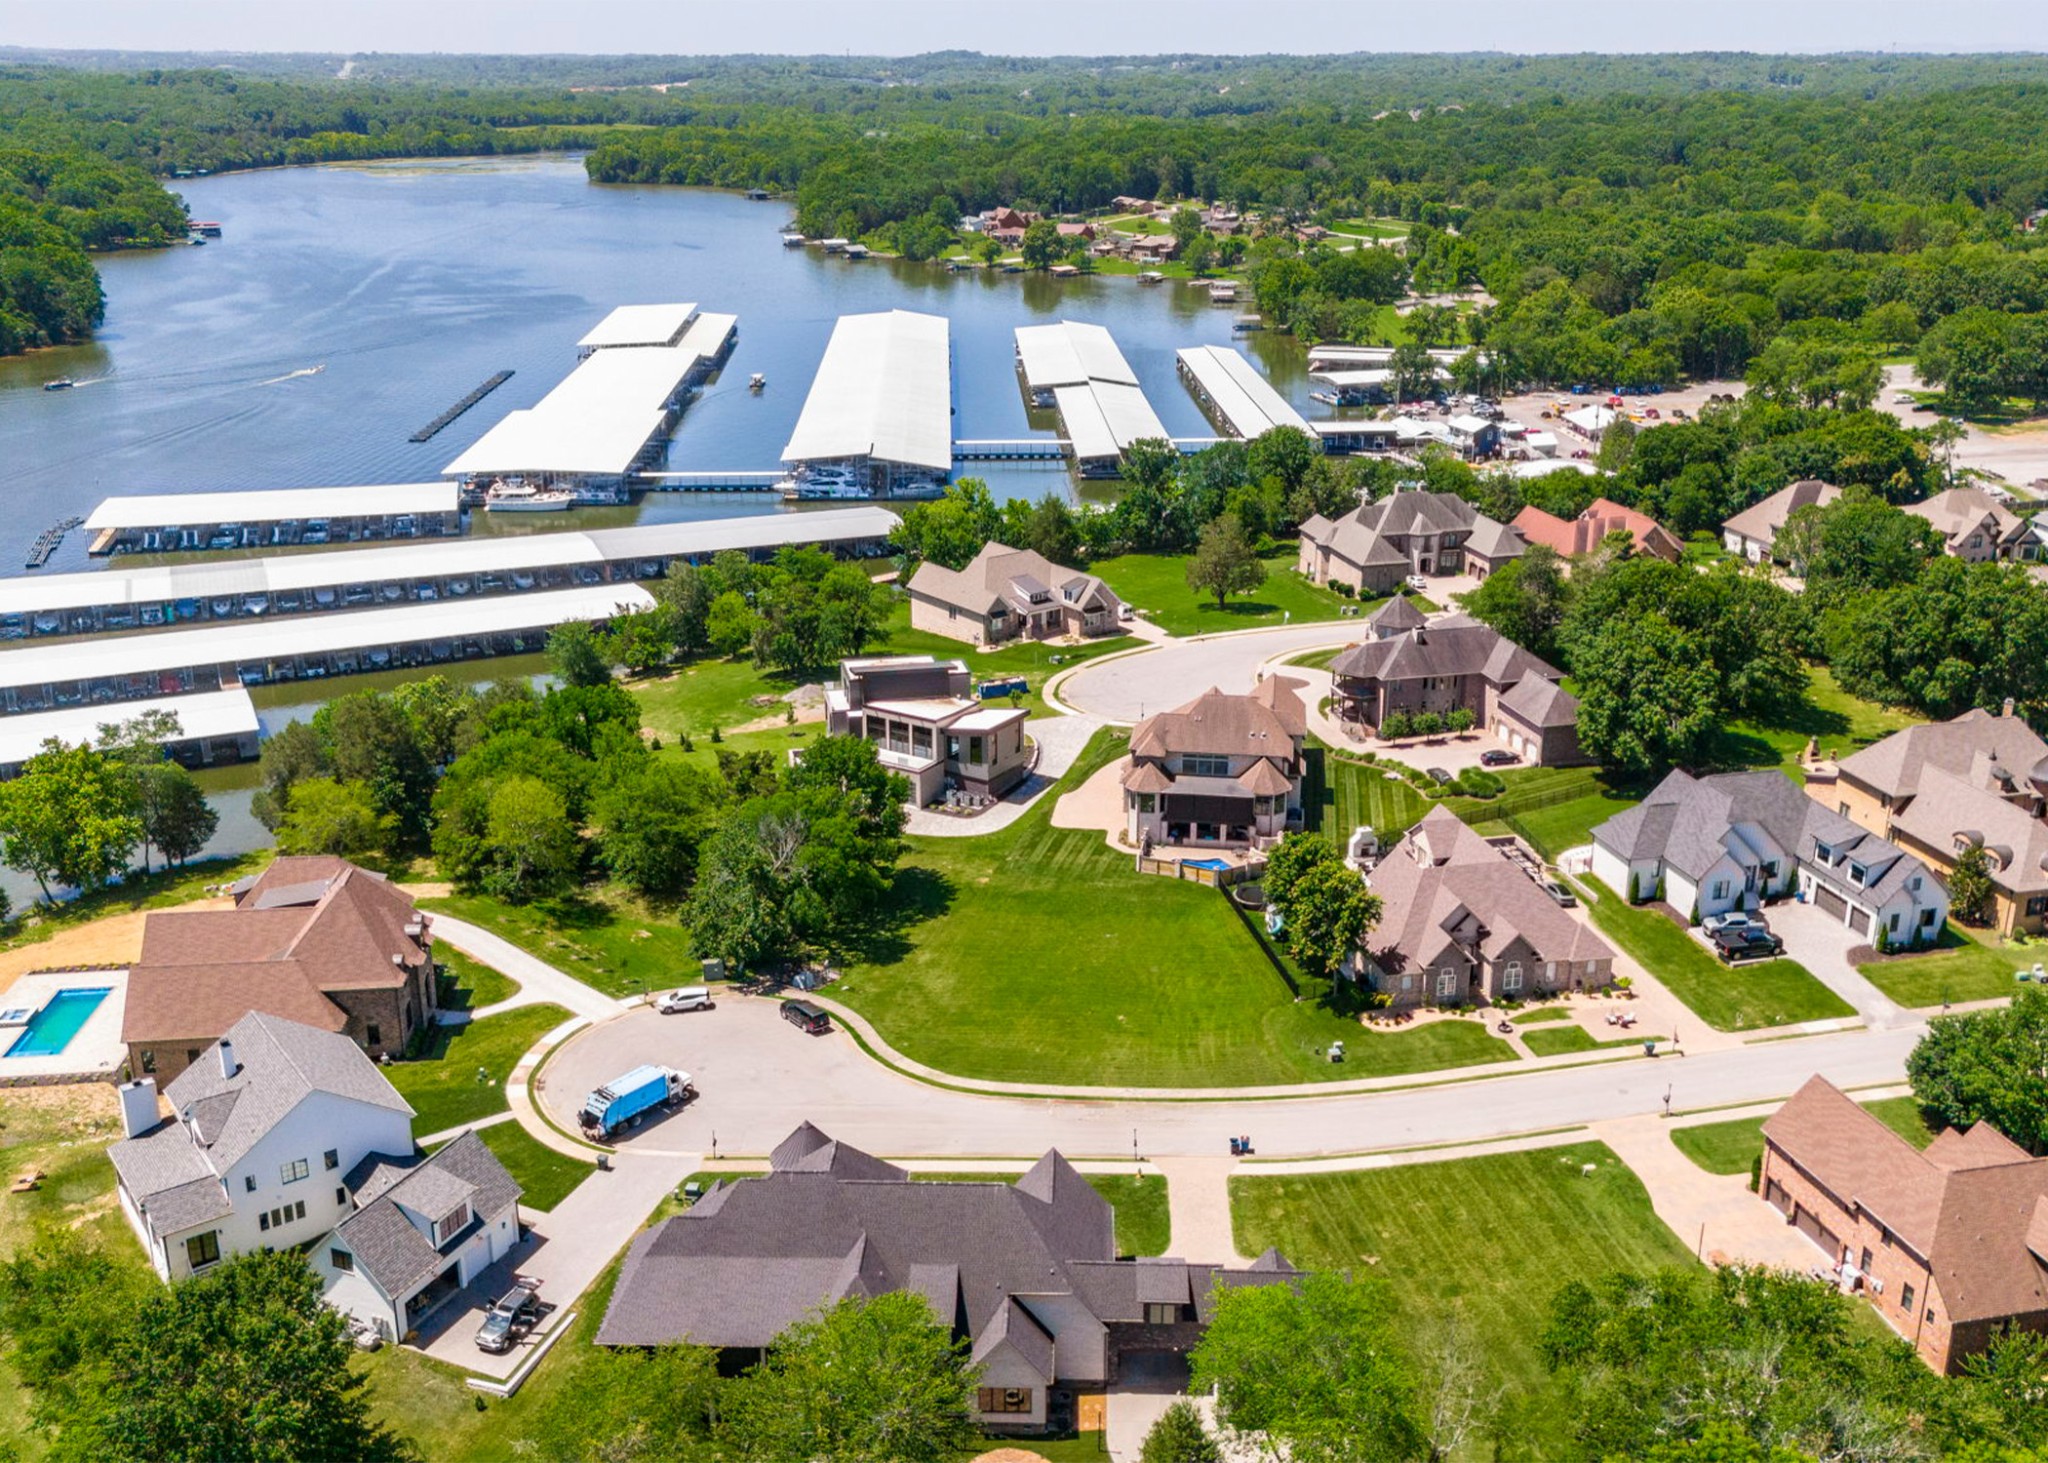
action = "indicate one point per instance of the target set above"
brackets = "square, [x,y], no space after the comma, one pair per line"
[1410,531]
[1948,1244]
[1024,1274]
[925,722]
[1010,594]
[316,940]
[1221,771]
[1978,780]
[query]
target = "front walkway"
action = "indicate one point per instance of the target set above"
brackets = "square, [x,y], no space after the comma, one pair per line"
[1821,942]
[1061,740]
[539,982]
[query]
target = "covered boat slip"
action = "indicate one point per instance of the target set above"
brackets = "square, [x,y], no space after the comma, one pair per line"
[1069,353]
[273,517]
[609,416]
[1078,369]
[882,401]
[1242,401]
[638,325]
[1102,420]
[126,668]
[287,584]
[213,726]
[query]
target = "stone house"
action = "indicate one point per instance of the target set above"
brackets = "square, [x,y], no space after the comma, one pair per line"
[1222,771]
[1974,527]
[1753,533]
[1376,548]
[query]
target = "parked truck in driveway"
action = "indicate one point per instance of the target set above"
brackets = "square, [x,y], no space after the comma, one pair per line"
[625,1100]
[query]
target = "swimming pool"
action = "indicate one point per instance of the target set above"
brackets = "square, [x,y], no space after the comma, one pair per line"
[1207,863]
[50,1030]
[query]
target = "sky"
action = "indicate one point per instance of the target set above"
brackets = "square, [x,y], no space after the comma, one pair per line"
[1024,27]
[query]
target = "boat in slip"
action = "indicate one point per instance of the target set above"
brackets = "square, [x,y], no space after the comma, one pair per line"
[525,498]
[757,382]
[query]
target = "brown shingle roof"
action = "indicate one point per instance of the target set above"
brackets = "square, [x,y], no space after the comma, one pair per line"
[1574,536]
[1263,724]
[1761,521]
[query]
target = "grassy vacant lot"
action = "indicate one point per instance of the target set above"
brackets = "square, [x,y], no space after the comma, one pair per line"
[1962,968]
[1564,1226]
[462,1076]
[468,985]
[1727,997]
[1842,723]
[1037,955]
[605,938]
[1157,585]
[1730,1147]
[1558,1041]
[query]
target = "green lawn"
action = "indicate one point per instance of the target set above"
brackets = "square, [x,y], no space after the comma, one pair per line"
[1037,955]
[1902,1116]
[1490,1238]
[462,1076]
[1551,830]
[1842,724]
[1535,1014]
[1139,1200]
[604,938]
[468,985]
[1558,1041]
[1727,997]
[160,890]
[1731,1146]
[1350,794]
[1157,586]
[1317,660]
[547,1175]
[1963,968]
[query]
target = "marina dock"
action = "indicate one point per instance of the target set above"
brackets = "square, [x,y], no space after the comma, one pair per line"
[433,428]
[1235,395]
[273,518]
[880,410]
[1078,369]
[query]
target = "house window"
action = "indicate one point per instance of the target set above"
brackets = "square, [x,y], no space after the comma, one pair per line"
[1407,982]
[263,1220]
[1511,978]
[1720,889]
[1857,875]
[452,1225]
[376,1037]
[1147,801]
[1160,1314]
[1893,925]
[1927,919]
[149,1061]
[1914,883]
[330,1160]
[340,1196]
[1003,1399]
[1205,766]
[342,1260]
[291,1173]
[1842,808]
[1824,853]
[202,1249]
[248,1183]
[2037,905]
[1906,1298]
[1446,983]
[974,749]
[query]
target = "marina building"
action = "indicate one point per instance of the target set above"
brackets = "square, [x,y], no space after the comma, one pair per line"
[351,579]
[214,726]
[879,419]
[1078,369]
[611,416]
[130,668]
[166,522]
[1235,395]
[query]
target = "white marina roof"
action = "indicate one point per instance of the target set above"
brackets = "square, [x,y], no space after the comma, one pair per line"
[601,416]
[1354,429]
[639,325]
[1364,376]
[1244,399]
[884,390]
[758,531]
[203,716]
[1087,429]
[266,640]
[1544,466]
[1069,353]
[170,510]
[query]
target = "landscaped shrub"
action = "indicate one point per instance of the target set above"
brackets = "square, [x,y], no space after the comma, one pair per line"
[1396,725]
[1635,887]
[1459,719]
[1427,724]
[1756,1173]
[1338,586]
[1477,782]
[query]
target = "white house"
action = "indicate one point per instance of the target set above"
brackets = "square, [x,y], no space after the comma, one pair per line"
[264,1130]
[1733,840]
[423,1229]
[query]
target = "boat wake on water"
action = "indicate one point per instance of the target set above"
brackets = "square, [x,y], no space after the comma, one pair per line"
[294,375]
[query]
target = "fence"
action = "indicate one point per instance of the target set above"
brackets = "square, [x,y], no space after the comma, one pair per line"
[1223,878]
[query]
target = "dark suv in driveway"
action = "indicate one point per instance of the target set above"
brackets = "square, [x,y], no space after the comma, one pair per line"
[1744,943]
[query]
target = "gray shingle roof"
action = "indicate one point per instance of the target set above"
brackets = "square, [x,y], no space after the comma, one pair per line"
[1894,765]
[1451,647]
[1374,535]
[390,1251]
[159,1160]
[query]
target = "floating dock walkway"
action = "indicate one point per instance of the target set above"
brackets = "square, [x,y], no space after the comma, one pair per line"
[433,428]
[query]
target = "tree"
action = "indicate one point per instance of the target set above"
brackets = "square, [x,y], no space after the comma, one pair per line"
[1413,372]
[1199,254]
[177,820]
[642,641]
[530,843]
[576,654]
[70,818]
[1315,1367]
[289,757]
[1648,696]
[1186,224]
[950,530]
[1291,860]
[868,1381]
[1179,1437]
[1985,1067]
[652,823]
[1969,886]
[1041,247]
[1524,599]
[633,1405]
[737,912]
[1328,910]
[731,624]
[1225,563]
[373,741]
[326,816]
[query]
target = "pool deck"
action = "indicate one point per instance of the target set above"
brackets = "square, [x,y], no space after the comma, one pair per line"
[95,1054]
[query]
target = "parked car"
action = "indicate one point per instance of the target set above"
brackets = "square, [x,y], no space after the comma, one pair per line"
[806,1017]
[1498,758]
[1417,583]
[1564,897]
[1734,945]
[1734,919]
[510,1317]
[689,998]
[1439,776]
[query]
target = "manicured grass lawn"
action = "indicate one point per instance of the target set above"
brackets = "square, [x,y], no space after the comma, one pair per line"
[1372,228]
[1902,1116]
[444,1086]
[1526,1223]
[1564,1039]
[547,1176]
[604,938]
[1037,955]
[1157,586]
[1552,830]
[1727,997]
[1139,1199]
[1540,1013]
[1843,723]
[1317,660]
[1963,969]
[1352,795]
[468,985]
[1731,1146]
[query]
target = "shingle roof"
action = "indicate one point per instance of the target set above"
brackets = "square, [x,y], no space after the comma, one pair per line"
[1893,765]
[1947,810]
[1959,511]
[1398,613]
[1761,521]
[389,1249]
[1369,536]
[1574,536]
[1541,703]
[992,577]
[1262,724]
[1453,646]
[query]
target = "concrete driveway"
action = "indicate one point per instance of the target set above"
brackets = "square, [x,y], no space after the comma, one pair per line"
[1821,942]
[1130,688]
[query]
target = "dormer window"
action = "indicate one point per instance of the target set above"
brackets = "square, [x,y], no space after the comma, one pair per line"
[452,1225]
[1858,874]
[1823,852]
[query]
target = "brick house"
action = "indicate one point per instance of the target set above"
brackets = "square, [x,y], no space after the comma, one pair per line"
[1025,1274]
[1753,533]
[1410,531]
[1948,1245]
[1222,771]
[1975,528]
[1977,780]
[1010,594]
[314,940]
[1572,537]
[1462,922]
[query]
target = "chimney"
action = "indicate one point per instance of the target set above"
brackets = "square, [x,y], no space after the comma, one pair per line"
[228,1065]
[2008,707]
[138,1107]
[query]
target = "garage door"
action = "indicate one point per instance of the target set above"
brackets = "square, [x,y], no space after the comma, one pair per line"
[1819,1233]
[1830,901]
[1859,921]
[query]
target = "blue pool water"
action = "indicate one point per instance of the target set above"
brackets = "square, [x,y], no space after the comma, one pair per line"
[1207,863]
[50,1030]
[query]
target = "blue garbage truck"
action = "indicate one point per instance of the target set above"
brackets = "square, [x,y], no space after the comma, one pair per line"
[624,1101]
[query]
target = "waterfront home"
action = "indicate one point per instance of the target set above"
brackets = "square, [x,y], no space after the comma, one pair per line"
[1411,531]
[1010,594]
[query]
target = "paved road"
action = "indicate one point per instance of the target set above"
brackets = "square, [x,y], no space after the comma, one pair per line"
[761,1077]
[1130,688]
